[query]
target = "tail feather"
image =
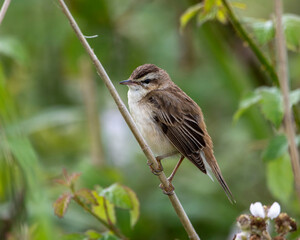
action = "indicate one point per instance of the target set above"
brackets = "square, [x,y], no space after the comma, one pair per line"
[218,174]
[212,165]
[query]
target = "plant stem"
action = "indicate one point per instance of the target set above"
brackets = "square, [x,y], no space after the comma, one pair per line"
[123,110]
[259,54]
[284,86]
[4,9]
[111,227]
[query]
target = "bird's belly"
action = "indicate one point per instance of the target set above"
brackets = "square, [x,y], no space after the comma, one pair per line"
[152,133]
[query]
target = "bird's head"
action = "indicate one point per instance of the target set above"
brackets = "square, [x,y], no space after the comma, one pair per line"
[147,77]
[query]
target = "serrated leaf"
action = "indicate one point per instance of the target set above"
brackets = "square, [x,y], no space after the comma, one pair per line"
[70,179]
[104,209]
[248,101]
[87,196]
[280,178]
[292,31]
[294,97]
[271,105]
[277,147]
[117,195]
[91,234]
[135,211]
[189,14]
[61,204]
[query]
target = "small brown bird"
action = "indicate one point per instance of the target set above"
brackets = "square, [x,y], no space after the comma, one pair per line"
[171,122]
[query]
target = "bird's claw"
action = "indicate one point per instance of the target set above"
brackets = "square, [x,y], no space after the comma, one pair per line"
[153,170]
[167,190]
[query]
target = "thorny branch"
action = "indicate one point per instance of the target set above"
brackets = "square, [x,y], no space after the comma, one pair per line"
[122,108]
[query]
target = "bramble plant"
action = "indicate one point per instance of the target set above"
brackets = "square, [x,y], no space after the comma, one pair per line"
[256,226]
[101,203]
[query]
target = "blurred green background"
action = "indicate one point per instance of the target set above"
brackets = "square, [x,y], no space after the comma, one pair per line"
[46,118]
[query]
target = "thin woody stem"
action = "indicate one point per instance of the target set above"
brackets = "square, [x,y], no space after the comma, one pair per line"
[284,86]
[4,9]
[123,110]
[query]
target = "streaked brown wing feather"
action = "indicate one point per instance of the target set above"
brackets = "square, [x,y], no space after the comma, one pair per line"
[179,124]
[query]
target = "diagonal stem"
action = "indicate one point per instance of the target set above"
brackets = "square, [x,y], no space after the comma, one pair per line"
[244,35]
[123,110]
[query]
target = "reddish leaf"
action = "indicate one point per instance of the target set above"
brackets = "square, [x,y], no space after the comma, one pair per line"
[87,196]
[61,182]
[73,178]
[61,204]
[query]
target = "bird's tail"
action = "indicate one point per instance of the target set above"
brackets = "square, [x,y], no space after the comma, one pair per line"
[214,168]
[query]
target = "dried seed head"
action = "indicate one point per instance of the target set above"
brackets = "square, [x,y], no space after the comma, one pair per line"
[258,225]
[255,237]
[285,224]
[244,222]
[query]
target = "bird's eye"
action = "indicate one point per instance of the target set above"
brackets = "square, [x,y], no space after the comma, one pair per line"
[146,81]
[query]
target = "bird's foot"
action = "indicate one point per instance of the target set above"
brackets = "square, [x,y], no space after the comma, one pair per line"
[153,170]
[169,190]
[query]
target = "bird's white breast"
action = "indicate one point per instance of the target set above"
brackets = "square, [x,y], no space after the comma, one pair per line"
[150,130]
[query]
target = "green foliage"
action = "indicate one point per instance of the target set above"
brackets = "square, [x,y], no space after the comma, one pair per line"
[100,204]
[123,197]
[12,48]
[209,10]
[189,14]
[276,148]
[280,178]
[61,204]
[270,101]
[264,30]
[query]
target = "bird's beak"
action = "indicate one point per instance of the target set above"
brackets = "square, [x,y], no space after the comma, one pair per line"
[127,82]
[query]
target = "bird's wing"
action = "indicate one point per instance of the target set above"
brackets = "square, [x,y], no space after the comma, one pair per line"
[178,118]
[181,119]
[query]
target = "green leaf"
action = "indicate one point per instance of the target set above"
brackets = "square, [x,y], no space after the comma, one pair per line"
[189,14]
[248,101]
[117,195]
[91,234]
[87,196]
[11,47]
[74,236]
[264,31]
[271,105]
[104,209]
[135,211]
[292,31]
[123,197]
[294,97]
[277,147]
[205,16]
[61,204]
[280,178]
[109,236]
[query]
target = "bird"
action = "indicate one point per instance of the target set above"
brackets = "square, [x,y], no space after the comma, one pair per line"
[171,122]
